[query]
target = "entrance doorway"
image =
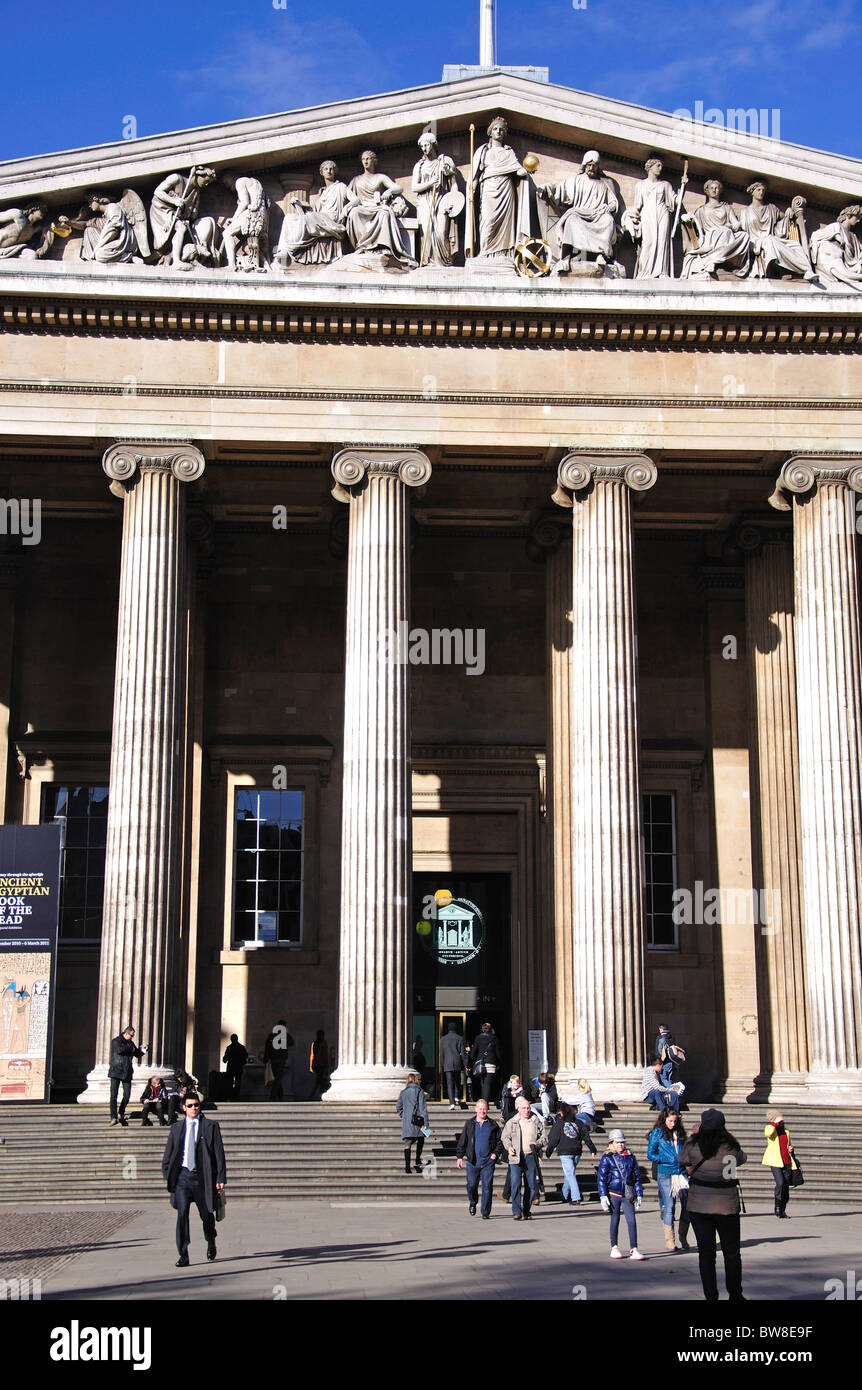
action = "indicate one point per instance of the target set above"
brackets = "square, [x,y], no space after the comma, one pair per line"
[461,966]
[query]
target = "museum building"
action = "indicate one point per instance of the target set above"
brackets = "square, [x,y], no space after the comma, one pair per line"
[440,597]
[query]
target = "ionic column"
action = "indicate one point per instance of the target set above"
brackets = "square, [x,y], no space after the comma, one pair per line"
[376,810]
[829,711]
[769,615]
[551,541]
[607,836]
[141,980]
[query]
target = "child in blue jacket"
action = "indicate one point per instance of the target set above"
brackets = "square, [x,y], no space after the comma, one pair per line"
[620,1190]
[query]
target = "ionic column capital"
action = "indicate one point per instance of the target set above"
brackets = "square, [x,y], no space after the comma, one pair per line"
[178,456]
[804,473]
[578,471]
[351,466]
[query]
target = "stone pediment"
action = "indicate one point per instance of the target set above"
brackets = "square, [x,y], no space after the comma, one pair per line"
[280,155]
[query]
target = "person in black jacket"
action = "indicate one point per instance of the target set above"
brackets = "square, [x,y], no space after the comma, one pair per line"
[123,1049]
[235,1059]
[485,1061]
[568,1135]
[479,1143]
[453,1060]
[275,1052]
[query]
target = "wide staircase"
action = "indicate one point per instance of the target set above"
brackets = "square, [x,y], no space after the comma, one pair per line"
[68,1154]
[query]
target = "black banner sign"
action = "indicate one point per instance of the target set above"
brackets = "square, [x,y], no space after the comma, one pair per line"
[29,901]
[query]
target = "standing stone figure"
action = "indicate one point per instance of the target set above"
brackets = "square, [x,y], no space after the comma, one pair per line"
[438,202]
[587,228]
[246,233]
[18,226]
[649,222]
[502,209]
[373,222]
[773,242]
[115,231]
[313,233]
[837,249]
[179,232]
[721,240]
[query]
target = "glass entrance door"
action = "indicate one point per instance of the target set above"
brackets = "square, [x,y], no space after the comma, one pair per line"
[444,1018]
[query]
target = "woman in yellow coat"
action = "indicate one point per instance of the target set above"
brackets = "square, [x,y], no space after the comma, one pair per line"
[779,1157]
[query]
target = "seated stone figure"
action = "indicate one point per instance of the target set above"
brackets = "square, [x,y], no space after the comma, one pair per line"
[719,237]
[776,238]
[314,233]
[837,250]
[373,221]
[587,227]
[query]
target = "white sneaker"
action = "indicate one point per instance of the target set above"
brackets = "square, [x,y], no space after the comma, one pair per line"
[636,1255]
[616,1253]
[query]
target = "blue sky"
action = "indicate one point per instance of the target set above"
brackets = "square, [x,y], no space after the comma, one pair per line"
[72,73]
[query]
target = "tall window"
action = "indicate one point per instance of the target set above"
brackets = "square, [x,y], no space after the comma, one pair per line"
[660,865]
[268,861]
[82,815]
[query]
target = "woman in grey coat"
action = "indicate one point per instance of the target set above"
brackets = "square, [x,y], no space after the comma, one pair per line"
[410,1102]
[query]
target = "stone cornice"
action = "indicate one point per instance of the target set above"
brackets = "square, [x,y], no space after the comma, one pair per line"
[604,319]
[554,111]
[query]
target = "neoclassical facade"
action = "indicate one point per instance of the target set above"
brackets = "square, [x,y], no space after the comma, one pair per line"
[445,600]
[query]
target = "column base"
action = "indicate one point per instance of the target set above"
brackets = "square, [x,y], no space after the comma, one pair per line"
[349,1084]
[609,1084]
[98,1090]
[834,1088]
[779,1088]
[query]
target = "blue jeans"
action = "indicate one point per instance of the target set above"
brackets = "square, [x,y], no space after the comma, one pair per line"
[667,1076]
[667,1200]
[570,1181]
[663,1100]
[486,1173]
[527,1174]
[620,1204]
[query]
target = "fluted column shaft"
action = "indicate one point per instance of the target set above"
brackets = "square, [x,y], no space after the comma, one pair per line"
[607,837]
[769,620]
[558,598]
[140,982]
[376,811]
[829,691]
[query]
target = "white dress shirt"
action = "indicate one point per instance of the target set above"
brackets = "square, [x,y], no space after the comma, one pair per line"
[190,1139]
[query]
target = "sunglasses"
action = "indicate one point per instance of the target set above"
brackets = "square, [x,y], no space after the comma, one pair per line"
[192,1105]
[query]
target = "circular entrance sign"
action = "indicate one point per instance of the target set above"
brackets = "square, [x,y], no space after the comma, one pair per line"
[457,933]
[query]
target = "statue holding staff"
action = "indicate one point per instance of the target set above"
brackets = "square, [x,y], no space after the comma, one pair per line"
[648,223]
[500,197]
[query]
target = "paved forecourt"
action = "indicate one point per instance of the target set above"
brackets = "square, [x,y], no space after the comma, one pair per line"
[415,1249]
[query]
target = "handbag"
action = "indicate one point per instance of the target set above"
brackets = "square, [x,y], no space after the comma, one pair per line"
[418,1119]
[678,1184]
[268,1075]
[628,1188]
[221,1205]
[797,1178]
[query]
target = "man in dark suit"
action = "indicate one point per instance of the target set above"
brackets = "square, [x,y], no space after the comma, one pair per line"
[453,1060]
[194,1170]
